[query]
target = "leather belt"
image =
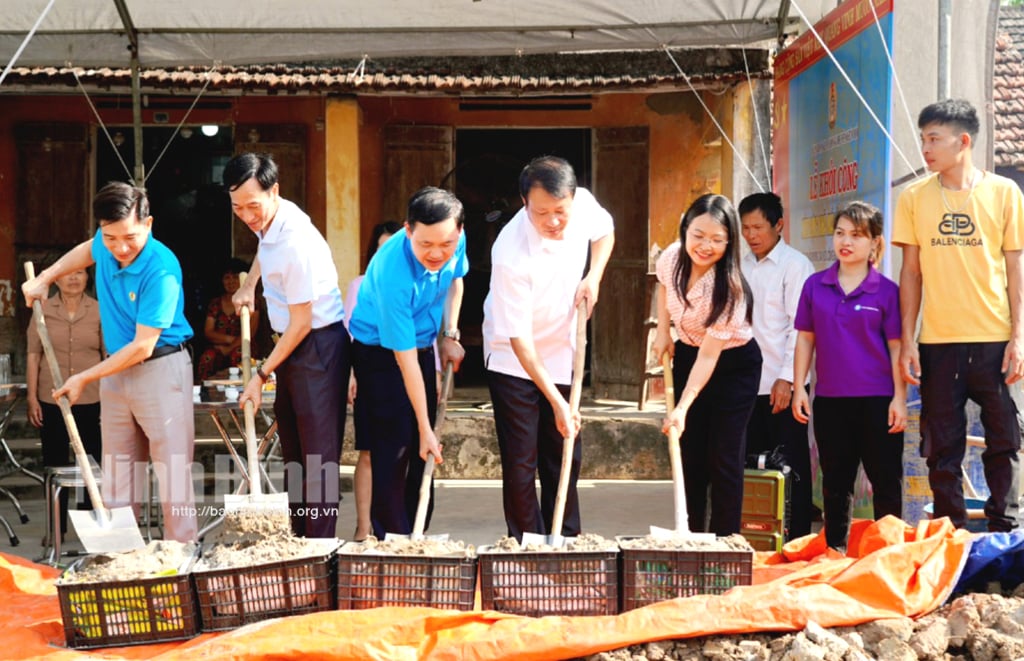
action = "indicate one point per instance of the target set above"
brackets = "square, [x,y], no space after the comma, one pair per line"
[165,350]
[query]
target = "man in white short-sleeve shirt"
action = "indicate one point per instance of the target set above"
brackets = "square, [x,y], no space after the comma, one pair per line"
[311,358]
[776,273]
[530,335]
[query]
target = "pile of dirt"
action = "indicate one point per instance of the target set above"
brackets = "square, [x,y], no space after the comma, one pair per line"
[585,543]
[974,627]
[250,537]
[424,547]
[158,558]
[684,543]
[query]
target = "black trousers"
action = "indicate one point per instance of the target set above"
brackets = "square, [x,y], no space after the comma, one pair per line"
[715,440]
[851,431]
[312,394]
[57,444]
[530,446]
[950,375]
[386,423]
[767,431]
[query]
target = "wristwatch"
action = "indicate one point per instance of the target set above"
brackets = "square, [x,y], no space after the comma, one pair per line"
[452,333]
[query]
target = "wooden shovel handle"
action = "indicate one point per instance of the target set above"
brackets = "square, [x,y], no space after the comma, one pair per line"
[65,406]
[428,470]
[569,442]
[674,456]
[251,444]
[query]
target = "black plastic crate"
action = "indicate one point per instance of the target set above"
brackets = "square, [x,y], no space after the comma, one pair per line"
[229,598]
[369,580]
[550,583]
[135,612]
[653,575]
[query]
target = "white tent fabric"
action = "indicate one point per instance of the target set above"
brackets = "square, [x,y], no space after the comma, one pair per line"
[206,32]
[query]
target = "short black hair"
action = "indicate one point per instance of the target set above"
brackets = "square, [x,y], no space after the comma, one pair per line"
[235,266]
[768,204]
[379,230]
[555,175]
[430,205]
[248,165]
[953,112]
[117,200]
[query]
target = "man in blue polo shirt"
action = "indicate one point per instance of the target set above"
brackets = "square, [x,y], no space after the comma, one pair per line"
[412,289]
[146,380]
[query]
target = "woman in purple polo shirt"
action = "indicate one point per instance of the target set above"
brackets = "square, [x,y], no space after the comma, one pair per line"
[851,313]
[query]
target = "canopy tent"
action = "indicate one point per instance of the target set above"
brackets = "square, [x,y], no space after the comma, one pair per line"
[200,32]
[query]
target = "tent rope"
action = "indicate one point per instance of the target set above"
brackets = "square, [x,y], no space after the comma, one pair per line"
[757,119]
[899,87]
[209,77]
[725,137]
[360,69]
[103,126]
[846,77]
[24,42]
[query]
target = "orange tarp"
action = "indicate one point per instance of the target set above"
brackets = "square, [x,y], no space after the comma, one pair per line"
[897,570]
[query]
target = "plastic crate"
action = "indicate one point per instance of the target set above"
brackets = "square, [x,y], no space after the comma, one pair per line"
[764,494]
[553,583]
[653,575]
[760,526]
[229,598]
[369,580]
[764,541]
[135,612]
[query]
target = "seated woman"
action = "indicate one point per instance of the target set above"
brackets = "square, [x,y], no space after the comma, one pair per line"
[223,329]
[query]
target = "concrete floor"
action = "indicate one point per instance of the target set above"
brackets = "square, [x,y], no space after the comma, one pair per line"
[467,510]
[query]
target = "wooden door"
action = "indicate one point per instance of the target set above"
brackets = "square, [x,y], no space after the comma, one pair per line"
[287,144]
[53,186]
[414,157]
[617,327]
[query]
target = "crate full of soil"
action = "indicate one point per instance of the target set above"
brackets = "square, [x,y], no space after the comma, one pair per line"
[578,579]
[657,569]
[239,584]
[133,598]
[432,573]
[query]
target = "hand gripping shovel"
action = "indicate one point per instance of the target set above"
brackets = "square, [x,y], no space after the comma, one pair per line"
[103,530]
[555,538]
[255,499]
[428,471]
[678,486]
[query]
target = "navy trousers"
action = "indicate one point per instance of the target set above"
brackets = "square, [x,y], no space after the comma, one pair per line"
[715,440]
[386,423]
[531,447]
[310,407]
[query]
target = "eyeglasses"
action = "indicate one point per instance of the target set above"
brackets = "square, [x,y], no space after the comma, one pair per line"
[714,242]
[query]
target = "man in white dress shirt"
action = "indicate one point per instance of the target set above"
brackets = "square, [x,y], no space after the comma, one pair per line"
[776,274]
[530,335]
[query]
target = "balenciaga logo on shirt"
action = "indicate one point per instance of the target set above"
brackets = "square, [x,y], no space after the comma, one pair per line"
[957,230]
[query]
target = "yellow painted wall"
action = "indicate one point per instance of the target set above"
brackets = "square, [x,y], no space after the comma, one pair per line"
[341,186]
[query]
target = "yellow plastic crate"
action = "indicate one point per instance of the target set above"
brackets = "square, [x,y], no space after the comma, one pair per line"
[764,541]
[764,494]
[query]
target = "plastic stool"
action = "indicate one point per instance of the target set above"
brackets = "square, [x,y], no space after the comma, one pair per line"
[56,480]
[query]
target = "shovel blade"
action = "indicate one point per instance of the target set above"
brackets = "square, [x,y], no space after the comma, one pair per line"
[100,535]
[537,539]
[264,501]
[391,537]
[668,533]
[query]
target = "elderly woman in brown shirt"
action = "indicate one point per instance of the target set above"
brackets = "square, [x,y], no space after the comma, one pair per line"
[73,321]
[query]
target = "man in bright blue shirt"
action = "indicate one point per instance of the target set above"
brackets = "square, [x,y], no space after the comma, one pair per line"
[146,409]
[412,290]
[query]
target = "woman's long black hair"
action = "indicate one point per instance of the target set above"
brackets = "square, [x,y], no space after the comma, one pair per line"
[730,285]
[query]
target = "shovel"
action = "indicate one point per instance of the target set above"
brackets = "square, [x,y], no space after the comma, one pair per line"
[103,530]
[555,538]
[678,485]
[428,470]
[255,499]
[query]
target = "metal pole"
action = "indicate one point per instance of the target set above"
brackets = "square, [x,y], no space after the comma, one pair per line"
[945,47]
[140,168]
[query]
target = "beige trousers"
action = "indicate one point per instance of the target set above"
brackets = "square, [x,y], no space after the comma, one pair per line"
[146,415]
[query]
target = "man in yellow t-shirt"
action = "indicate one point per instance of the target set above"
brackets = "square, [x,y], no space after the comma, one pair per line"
[962,232]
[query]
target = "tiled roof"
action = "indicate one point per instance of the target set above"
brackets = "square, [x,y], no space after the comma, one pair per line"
[523,75]
[1008,88]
